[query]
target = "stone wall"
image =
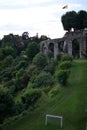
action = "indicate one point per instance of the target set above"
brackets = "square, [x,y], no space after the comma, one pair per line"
[65,44]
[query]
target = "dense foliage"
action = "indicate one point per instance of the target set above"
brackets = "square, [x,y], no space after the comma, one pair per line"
[75,20]
[26,73]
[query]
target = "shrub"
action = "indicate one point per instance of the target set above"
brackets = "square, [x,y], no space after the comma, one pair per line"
[6,104]
[50,54]
[49,68]
[32,70]
[20,73]
[19,107]
[24,80]
[32,50]
[21,64]
[30,97]
[59,56]
[66,57]
[54,91]
[21,81]
[6,73]
[62,76]
[65,65]
[7,61]
[40,60]
[43,79]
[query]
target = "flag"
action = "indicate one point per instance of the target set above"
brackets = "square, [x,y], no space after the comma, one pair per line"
[65,7]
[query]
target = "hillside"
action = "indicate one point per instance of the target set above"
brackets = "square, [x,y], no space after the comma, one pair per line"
[70,102]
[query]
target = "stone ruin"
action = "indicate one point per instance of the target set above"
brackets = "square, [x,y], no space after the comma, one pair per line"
[66,44]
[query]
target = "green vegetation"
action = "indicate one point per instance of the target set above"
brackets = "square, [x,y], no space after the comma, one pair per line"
[74,20]
[17,72]
[26,73]
[70,101]
[33,84]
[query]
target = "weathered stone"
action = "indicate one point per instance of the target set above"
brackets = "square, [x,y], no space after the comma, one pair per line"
[64,44]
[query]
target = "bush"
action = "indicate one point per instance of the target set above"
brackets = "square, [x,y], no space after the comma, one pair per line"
[40,60]
[19,107]
[65,65]
[62,76]
[50,54]
[32,50]
[6,73]
[21,81]
[43,79]
[30,97]
[21,64]
[32,70]
[66,57]
[49,68]
[20,73]
[54,91]
[59,56]
[6,104]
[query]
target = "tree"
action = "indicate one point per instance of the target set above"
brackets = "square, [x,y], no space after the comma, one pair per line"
[32,50]
[43,79]
[6,104]
[62,76]
[81,18]
[14,41]
[25,36]
[74,20]
[40,60]
[8,50]
[69,20]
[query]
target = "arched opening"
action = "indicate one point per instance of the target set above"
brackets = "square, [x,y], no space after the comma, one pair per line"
[60,46]
[51,50]
[51,47]
[75,48]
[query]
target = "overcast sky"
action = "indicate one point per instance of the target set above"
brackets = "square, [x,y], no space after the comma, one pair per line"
[36,16]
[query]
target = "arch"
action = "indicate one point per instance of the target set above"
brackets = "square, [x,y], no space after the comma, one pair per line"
[75,48]
[73,43]
[51,47]
[61,46]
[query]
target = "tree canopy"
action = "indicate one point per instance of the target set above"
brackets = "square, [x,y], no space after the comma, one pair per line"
[75,20]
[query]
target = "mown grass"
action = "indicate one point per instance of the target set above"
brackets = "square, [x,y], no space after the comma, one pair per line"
[70,102]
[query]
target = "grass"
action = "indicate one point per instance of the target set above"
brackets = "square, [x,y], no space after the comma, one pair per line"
[70,102]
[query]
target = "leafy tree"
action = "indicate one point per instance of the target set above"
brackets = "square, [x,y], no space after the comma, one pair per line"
[6,62]
[40,60]
[69,20]
[62,76]
[65,65]
[1,54]
[25,36]
[81,18]
[6,104]
[14,41]
[74,20]
[8,50]
[32,50]
[30,97]
[43,79]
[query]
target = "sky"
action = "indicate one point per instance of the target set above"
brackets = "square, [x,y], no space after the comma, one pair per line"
[36,16]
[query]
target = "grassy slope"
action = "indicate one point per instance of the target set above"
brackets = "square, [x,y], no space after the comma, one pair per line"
[70,102]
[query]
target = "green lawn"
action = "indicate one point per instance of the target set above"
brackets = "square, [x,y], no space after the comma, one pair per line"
[70,102]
